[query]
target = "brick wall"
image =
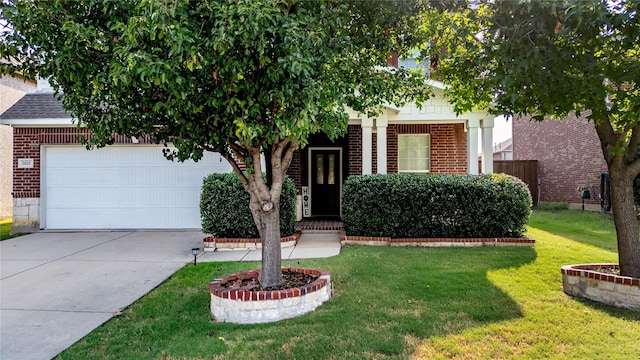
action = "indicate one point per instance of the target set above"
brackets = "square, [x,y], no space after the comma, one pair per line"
[448,149]
[448,146]
[355,150]
[295,168]
[568,154]
[26,144]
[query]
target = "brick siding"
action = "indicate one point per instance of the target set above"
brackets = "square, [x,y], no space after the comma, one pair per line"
[295,169]
[448,146]
[568,154]
[355,149]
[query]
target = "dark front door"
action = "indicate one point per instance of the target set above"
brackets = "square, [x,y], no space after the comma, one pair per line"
[325,182]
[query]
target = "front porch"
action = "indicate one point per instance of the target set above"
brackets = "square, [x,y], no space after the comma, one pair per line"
[430,139]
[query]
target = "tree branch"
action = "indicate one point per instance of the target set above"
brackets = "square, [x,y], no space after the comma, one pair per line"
[278,172]
[240,151]
[288,155]
[634,168]
[634,143]
[236,168]
[607,138]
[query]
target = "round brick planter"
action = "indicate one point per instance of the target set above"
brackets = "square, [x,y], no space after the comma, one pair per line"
[585,281]
[243,306]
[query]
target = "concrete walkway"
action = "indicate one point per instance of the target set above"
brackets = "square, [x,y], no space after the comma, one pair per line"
[57,287]
[311,245]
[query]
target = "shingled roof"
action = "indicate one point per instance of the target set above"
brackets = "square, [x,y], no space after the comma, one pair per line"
[37,105]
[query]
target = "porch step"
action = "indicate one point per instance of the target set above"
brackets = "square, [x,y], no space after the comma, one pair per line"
[319,231]
[319,225]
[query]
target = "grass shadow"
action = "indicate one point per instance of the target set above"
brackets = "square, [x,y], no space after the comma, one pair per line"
[386,301]
[416,294]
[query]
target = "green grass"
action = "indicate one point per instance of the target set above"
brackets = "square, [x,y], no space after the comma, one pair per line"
[5,229]
[399,303]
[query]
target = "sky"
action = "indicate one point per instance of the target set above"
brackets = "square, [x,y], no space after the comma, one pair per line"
[501,129]
[501,132]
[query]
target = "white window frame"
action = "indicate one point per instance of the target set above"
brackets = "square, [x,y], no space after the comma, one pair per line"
[416,171]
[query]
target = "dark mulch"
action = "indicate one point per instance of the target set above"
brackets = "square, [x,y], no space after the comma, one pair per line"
[609,270]
[251,283]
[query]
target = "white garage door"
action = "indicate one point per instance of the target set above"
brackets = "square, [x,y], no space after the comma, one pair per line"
[122,187]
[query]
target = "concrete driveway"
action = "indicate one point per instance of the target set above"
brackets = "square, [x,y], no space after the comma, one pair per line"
[57,287]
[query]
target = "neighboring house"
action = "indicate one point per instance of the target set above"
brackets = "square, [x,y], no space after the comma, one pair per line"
[503,150]
[569,157]
[60,185]
[11,90]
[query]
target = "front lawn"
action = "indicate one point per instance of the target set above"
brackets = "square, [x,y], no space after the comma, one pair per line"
[399,303]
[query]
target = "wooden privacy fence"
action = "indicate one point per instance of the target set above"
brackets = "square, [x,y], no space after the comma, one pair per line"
[525,170]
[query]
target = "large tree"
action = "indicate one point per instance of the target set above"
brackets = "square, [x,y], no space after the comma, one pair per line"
[243,77]
[550,58]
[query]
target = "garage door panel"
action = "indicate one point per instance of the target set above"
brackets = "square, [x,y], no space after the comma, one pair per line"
[123,187]
[135,219]
[116,177]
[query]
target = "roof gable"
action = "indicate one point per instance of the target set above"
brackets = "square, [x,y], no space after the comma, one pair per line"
[36,105]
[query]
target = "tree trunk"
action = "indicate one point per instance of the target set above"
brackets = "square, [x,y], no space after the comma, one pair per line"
[624,217]
[622,171]
[265,201]
[268,223]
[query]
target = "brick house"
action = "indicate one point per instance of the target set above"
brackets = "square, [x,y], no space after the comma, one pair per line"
[569,157]
[59,185]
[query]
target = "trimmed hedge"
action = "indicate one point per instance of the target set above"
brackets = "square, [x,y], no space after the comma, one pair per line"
[225,213]
[428,206]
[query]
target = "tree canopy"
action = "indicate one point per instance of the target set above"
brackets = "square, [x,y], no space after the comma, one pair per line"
[211,75]
[240,77]
[548,59]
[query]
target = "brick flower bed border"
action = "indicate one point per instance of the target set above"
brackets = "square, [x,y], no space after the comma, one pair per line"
[582,280]
[433,242]
[212,243]
[252,307]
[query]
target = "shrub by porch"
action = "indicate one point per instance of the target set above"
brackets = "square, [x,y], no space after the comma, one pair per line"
[435,206]
[224,208]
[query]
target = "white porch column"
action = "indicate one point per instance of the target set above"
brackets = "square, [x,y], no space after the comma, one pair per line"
[472,145]
[487,146]
[367,145]
[381,149]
